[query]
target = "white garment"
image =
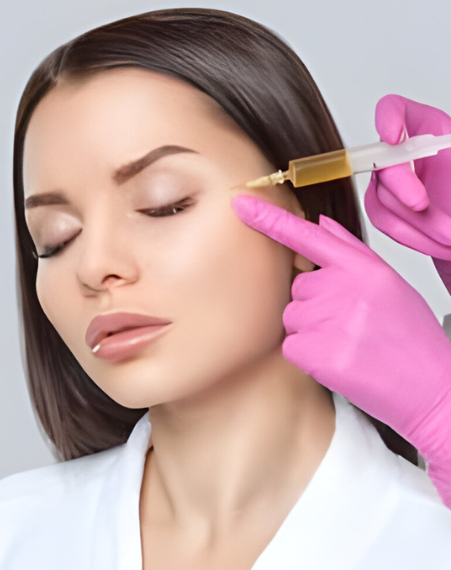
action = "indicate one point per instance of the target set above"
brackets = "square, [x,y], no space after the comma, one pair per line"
[365,508]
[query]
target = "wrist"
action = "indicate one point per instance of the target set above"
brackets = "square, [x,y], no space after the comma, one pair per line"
[432,437]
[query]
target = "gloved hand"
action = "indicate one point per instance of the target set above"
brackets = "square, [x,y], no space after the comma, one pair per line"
[361,330]
[414,208]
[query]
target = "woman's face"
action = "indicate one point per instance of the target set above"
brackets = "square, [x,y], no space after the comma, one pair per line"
[222,285]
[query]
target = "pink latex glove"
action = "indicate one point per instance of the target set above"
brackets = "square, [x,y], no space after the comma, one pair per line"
[414,208]
[361,330]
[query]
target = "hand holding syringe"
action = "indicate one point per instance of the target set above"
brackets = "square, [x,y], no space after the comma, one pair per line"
[411,207]
[414,208]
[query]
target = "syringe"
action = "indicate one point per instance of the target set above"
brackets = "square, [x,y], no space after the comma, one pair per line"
[346,162]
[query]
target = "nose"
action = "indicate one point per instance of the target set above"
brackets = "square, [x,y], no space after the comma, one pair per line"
[105,259]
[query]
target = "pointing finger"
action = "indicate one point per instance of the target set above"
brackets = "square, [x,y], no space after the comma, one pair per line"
[306,238]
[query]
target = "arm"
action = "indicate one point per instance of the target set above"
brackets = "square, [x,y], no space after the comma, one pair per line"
[386,351]
[414,208]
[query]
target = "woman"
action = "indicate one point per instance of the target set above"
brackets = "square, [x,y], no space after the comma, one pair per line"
[149,307]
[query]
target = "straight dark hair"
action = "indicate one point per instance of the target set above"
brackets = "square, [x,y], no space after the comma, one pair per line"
[258,81]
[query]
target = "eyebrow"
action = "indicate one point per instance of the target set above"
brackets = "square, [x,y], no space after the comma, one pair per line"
[120,176]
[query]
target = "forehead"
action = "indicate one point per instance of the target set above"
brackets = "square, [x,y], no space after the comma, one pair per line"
[123,90]
[117,115]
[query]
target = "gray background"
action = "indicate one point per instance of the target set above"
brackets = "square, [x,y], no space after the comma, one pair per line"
[356,50]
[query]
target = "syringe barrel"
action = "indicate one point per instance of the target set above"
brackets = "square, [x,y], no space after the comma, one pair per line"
[319,168]
[381,155]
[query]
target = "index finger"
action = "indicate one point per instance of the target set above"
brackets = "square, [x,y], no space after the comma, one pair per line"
[306,238]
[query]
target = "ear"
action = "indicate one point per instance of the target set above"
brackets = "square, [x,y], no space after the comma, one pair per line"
[301,265]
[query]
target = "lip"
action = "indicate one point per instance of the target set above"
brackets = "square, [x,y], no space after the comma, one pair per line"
[121,333]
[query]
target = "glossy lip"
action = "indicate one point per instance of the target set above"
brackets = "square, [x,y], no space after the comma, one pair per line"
[104,326]
[126,344]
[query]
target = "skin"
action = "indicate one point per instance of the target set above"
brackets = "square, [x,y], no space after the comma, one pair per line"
[226,407]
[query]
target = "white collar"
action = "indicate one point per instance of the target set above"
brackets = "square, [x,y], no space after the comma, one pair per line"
[336,504]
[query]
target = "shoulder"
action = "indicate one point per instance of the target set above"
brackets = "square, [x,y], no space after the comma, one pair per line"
[390,514]
[414,526]
[37,494]
[48,514]
[419,505]
[407,518]
[77,475]
[410,483]
[49,481]
[68,515]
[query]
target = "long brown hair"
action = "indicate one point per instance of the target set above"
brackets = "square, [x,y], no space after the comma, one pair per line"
[259,82]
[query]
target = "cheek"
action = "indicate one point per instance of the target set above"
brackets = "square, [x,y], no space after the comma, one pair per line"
[260,278]
[46,289]
[227,282]
[60,308]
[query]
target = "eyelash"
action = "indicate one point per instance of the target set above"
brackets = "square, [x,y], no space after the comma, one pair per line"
[164,211]
[168,210]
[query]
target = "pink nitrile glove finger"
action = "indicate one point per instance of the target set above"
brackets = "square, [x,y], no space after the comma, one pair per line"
[400,180]
[420,200]
[388,215]
[361,330]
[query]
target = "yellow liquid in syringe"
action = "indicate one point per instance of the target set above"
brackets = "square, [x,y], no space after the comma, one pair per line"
[319,168]
[310,170]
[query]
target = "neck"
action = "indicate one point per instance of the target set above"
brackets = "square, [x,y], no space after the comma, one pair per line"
[238,447]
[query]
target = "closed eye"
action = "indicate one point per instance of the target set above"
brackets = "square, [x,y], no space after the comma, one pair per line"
[170,209]
[50,252]
[163,211]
